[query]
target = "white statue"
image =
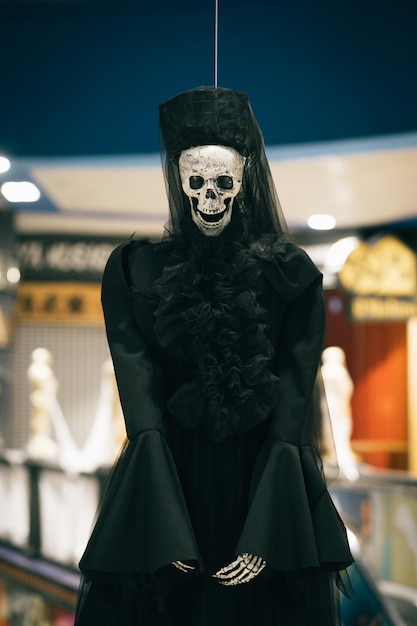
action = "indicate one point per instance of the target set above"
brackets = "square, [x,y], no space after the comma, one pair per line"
[43,385]
[50,437]
[338,386]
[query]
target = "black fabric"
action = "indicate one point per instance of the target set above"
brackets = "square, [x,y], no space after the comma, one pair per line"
[178,495]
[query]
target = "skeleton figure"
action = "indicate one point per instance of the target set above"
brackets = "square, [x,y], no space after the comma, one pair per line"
[217,511]
[211,177]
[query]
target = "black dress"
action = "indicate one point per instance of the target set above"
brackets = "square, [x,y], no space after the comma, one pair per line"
[216,349]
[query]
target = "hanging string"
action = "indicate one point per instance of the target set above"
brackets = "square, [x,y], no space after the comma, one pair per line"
[216,41]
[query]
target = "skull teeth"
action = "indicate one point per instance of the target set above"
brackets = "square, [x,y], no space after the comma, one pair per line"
[212,218]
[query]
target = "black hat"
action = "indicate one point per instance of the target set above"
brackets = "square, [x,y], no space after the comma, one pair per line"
[209,115]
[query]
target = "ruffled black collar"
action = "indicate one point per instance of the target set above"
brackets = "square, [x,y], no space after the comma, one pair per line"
[210,309]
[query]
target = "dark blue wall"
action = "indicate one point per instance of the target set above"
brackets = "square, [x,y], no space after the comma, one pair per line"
[81,78]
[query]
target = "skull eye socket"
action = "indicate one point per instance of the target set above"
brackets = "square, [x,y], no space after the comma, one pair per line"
[224,182]
[196,182]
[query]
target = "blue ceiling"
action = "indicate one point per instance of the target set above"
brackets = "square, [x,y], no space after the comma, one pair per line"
[85,78]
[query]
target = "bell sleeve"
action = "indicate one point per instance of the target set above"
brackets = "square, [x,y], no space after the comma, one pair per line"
[143,524]
[292,522]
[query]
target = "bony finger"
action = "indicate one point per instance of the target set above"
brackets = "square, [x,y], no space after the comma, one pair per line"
[231,566]
[246,575]
[183,567]
[225,575]
[254,563]
[228,570]
[234,582]
[233,578]
[180,567]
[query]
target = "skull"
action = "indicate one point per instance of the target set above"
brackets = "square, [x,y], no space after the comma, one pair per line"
[211,177]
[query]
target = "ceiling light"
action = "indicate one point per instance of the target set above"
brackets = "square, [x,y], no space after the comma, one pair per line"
[13,275]
[4,165]
[321,221]
[22,191]
[339,252]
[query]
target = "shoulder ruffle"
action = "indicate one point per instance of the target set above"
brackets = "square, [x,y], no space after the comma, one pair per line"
[288,268]
[137,262]
[209,312]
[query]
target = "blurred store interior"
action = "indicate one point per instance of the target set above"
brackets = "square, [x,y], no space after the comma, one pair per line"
[333,86]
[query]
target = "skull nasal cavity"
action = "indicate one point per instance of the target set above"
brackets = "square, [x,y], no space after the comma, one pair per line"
[210,195]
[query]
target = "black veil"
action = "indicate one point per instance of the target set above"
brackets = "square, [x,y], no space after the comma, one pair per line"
[219,116]
[222,116]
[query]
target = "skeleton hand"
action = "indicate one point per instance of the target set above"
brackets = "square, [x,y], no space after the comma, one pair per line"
[183,567]
[243,569]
